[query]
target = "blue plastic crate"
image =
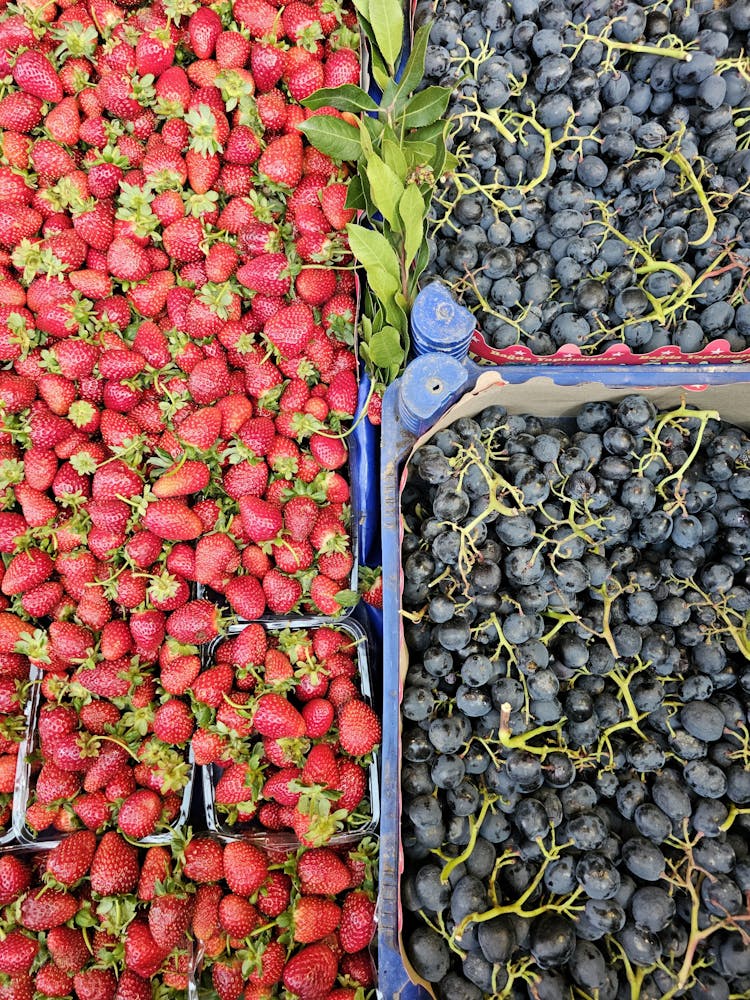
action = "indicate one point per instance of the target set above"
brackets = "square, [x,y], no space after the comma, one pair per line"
[412,405]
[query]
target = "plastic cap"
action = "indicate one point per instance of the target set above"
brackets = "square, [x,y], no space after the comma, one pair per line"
[439,323]
[428,385]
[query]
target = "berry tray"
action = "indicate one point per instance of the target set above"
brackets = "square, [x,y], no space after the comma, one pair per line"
[435,391]
[367,813]
[9,836]
[29,752]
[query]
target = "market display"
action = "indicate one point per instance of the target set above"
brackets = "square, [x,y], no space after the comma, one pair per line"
[575,776]
[601,192]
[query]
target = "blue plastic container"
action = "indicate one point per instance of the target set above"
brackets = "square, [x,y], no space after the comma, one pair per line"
[406,416]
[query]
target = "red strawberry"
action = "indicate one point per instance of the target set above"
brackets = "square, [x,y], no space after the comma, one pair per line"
[140,813]
[290,329]
[168,919]
[203,860]
[268,273]
[277,718]
[318,714]
[26,571]
[245,867]
[359,728]
[173,520]
[204,29]
[371,586]
[34,74]
[17,953]
[246,597]
[321,871]
[311,972]
[41,911]
[315,917]
[71,859]
[15,878]
[261,19]
[143,955]
[95,984]
[281,161]
[329,452]
[282,592]
[267,64]
[341,67]
[197,621]
[357,921]
[261,520]
[114,868]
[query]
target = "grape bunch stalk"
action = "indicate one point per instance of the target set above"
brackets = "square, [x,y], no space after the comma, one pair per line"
[576,742]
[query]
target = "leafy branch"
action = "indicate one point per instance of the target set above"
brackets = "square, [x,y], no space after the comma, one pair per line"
[399,147]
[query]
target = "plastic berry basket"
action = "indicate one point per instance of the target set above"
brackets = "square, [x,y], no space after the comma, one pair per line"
[10,836]
[25,786]
[357,629]
[435,390]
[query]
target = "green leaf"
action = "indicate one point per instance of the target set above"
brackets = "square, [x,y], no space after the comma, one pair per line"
[385,190]
[373,250]
[385,348]
[383,284]
[411,209]
[426,107]
[414,69]
[347,97]
[387,20]
[355,197]
[334,137]
[394,157]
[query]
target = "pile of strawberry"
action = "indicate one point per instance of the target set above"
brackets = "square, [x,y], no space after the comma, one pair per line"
[112,739]
[14,687]
[98,919]
[284,726]
[264,921]
[177,347]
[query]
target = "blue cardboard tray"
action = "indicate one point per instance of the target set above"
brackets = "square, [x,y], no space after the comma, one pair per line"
[411,406]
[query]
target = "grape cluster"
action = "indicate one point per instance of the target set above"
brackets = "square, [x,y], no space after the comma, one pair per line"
[600,194]
[576,749]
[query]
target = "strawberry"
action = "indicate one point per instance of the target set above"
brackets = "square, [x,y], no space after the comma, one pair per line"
[15,877]
[140,813]
[290,329]
[311,972]
[40,912]
[172,519]
[261,520]
[371,586]
[359,728]
[168,920]
[71,859]
[260,19]
[17,953]
[267,273]
[341,67]
[318,714]
[314,917]
[277,718]
[95,984]
[143,955]
[357,921]
[114,868]
[35,74]
[282,592]
[267,64]
[321,871]
[245,867]
[328,596]
[26,571]
[328,452]
[281,160]
[203,860]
